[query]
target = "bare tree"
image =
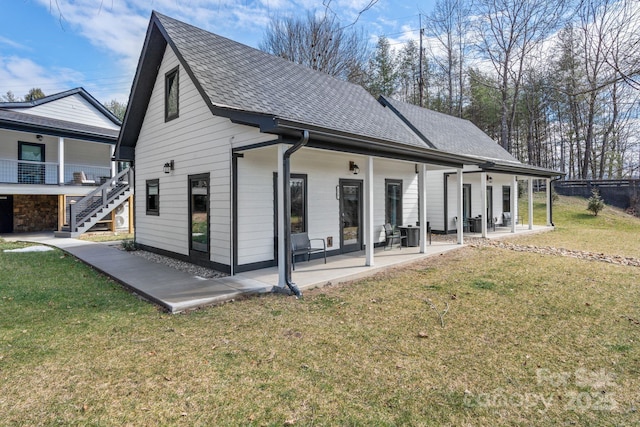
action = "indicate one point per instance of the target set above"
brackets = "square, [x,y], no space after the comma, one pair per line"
[9,97]
[448,24]
[320,43]
[117,108]
[508,31]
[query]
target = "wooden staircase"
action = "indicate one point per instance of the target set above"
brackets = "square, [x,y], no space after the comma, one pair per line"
[86,212]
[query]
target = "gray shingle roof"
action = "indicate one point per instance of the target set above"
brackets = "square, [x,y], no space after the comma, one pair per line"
[449,133]
[38,124]
[239,77]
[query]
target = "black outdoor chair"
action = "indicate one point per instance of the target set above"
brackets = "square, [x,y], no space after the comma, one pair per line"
[506,219]
[301,245]
[465,224]
[392,235]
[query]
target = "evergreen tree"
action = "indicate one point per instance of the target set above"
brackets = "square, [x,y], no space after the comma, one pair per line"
[595,202]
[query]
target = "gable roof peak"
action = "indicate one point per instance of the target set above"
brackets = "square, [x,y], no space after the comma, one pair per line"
[56,96]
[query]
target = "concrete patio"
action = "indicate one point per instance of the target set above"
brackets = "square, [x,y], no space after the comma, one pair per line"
[178,291]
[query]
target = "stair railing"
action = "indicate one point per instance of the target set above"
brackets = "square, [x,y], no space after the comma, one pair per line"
[93,202]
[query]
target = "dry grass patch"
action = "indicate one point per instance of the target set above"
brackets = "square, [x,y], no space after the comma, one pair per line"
[613,231]
[528,339]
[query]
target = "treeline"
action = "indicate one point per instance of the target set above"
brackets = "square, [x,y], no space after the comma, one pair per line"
[556,83]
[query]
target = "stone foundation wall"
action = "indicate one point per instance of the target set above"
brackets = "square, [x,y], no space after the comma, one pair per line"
[34,213]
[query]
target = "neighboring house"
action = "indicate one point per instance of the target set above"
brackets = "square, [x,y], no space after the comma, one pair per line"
[53,152]
[215,129]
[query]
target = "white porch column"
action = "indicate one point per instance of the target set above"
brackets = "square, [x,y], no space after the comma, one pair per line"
[368,231]
[460,221]
[282,280]
[549,201]
[514,202]
[114,169]
[483,203]
[422,199]
[60,160]
[530,194]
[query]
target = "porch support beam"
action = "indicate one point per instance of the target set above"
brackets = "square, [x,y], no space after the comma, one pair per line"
[459,223]
[422,199]
[483,203]
[114,170]
[368,231]
[61,160]
[282,279]
[549,201]
[530,194]
[514,202]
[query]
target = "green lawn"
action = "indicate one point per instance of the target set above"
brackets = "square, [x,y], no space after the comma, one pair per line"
[527,340]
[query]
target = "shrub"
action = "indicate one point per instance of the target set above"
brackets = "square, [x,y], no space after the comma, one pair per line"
[129,245]
[596,204]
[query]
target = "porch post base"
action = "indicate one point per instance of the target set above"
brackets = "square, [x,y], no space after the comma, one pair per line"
[292,289]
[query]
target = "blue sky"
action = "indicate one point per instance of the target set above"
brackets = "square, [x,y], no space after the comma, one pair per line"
[57,45]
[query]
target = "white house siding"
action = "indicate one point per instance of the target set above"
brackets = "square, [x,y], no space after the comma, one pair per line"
[256,205]
[435,199]
[198,143]
[323,169]
[73,108]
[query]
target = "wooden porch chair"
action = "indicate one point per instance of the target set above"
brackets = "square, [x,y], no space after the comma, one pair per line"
[392,235]
[301,245]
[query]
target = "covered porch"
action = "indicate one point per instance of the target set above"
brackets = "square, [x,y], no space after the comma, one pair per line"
[353,266]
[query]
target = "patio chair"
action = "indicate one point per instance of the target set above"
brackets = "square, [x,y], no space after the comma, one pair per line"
[465,224]
[81,179]
[392,235]
[506,219]
[301,245]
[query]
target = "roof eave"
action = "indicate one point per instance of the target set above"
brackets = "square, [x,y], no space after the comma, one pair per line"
[523,169]
[358,144]
[141,89]
[55,131]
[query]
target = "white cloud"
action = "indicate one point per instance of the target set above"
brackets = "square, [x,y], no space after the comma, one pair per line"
[15,71]
[11,43]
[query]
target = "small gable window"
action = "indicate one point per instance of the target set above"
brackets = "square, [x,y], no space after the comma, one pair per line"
[153,197]
[171,95]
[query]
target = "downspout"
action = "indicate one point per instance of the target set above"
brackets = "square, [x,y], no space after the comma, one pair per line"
[287,210]
[551,200]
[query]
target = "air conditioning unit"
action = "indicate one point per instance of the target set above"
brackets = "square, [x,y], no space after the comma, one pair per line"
[122,217]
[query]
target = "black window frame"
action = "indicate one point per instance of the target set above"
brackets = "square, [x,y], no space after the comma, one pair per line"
[31,173]
[305,206]
[467,205]
[387,202]
[152,211]
[170,75]
[506,198]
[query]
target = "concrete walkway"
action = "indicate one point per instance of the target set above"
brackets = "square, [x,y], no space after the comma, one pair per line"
[170,288]
[178,291]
